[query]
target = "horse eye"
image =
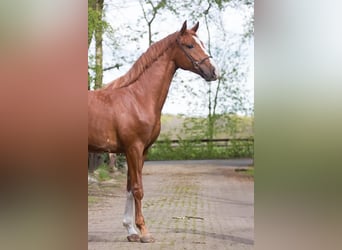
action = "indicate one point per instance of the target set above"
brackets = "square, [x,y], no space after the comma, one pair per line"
[190,46]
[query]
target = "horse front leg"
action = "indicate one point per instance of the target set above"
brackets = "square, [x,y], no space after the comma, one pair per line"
[128,221]
[135,160]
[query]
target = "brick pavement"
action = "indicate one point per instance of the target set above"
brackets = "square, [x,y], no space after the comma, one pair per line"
[186,206]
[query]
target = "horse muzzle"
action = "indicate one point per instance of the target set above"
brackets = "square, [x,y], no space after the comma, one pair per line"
[209,73]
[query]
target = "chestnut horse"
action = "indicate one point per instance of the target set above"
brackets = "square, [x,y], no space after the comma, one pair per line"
[124,116]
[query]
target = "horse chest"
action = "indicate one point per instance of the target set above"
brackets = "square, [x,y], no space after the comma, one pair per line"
[151,127]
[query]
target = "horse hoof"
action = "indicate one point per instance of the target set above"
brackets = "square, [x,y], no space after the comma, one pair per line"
[133,238]
[147,239]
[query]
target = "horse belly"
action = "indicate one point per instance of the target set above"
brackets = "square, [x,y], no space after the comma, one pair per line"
[102,137]
[103,145]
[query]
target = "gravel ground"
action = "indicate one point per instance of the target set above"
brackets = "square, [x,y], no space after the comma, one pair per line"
[187,205]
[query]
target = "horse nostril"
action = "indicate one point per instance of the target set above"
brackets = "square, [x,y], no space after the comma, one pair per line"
[214,72]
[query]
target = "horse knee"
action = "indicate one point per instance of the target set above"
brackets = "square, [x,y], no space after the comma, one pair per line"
[138,193]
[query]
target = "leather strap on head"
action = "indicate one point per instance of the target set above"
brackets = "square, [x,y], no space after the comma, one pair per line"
[194,62]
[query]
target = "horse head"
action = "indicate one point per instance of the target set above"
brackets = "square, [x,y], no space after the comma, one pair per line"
[191,54]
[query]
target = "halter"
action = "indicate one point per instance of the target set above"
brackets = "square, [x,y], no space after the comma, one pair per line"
[194,62]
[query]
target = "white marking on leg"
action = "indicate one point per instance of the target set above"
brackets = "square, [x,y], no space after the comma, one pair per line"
[128,221]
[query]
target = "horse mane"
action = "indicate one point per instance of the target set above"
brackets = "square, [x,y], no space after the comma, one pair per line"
[144,62]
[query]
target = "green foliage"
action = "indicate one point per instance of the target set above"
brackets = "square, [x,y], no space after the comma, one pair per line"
[97,27]
[191,150]
[120,161]
[103,173]
[190,131]
[96,22]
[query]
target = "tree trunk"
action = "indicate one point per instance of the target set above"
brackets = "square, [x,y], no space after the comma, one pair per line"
[98,46]
[91,26]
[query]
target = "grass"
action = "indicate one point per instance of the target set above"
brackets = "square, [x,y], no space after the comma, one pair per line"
[250,172]
[103,173]
[246,171]
[97,190]
[92,199]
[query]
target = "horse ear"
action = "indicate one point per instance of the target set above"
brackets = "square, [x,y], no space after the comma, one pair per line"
[195,28]
[183,29]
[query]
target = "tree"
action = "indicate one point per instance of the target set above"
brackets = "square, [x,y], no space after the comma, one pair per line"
[98,45]
[99,30]
[96,27]
[228,94]
[151,13]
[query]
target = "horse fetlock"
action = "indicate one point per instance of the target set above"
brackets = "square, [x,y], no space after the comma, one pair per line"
[127,223]
[130,228]
[140,223]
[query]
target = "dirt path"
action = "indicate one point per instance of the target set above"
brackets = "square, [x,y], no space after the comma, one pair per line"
[187,205]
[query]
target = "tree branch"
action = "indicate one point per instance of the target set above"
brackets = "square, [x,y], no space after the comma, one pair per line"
[117,66]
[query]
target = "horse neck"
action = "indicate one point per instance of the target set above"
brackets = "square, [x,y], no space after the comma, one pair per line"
[154,83]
